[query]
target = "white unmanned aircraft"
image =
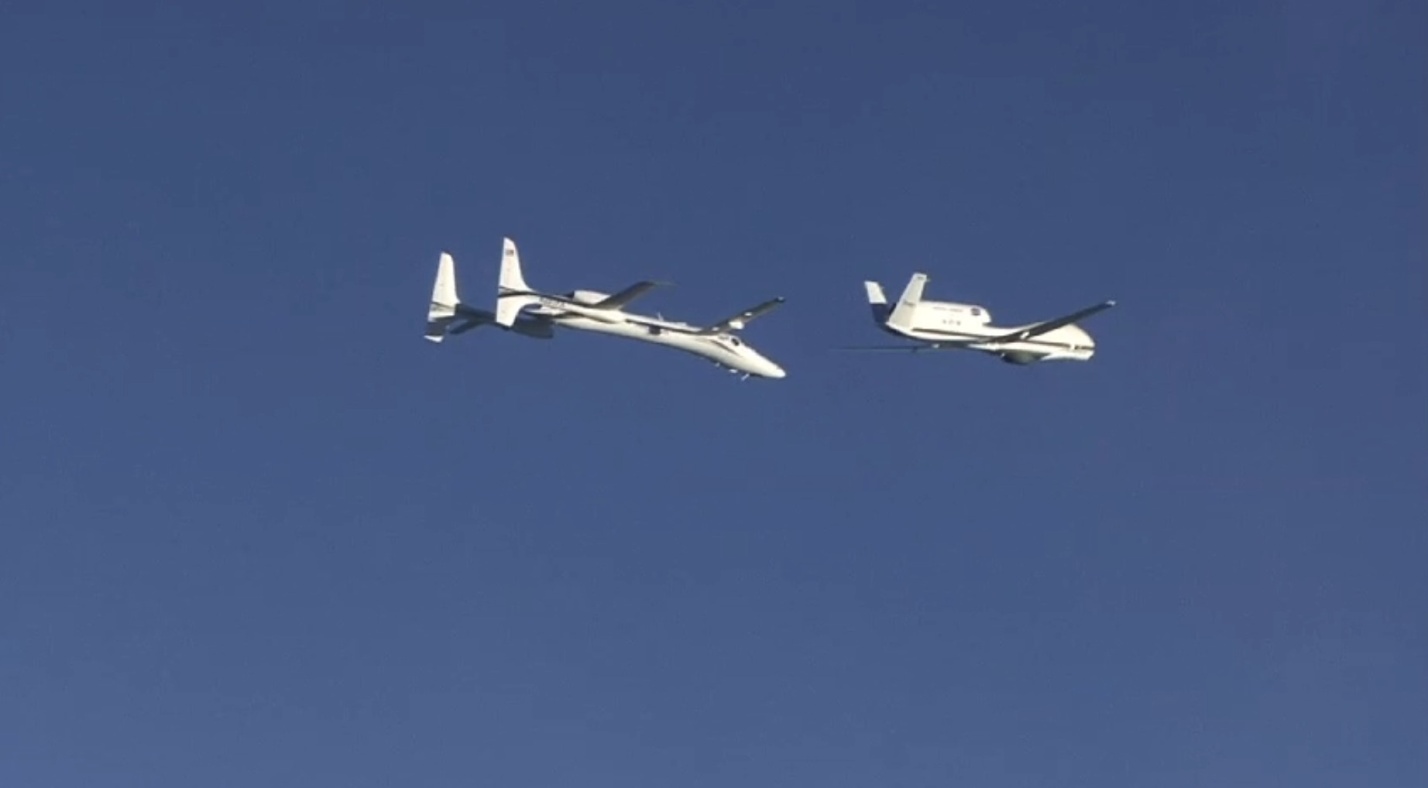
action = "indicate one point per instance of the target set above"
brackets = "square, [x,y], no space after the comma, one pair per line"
[946,325]
[536,314]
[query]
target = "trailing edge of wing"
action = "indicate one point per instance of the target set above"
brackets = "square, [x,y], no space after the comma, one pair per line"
[1049,325]
[624,297]
[740,320]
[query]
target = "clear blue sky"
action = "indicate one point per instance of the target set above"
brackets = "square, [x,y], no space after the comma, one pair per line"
[255,531]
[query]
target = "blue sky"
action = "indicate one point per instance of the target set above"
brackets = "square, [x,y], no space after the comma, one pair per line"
[255,531]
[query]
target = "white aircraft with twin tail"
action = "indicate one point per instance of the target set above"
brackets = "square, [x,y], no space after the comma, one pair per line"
[535,314]
[946,325]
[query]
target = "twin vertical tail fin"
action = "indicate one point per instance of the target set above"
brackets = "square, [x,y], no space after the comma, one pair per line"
[513,294]
[444,300]
[901,315]
[877,302]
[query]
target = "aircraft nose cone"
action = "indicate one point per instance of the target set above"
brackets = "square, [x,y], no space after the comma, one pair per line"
[775,371]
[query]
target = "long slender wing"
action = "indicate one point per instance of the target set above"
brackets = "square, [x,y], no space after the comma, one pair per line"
[742,319]
[1049,325]
[899,348]
[624,297]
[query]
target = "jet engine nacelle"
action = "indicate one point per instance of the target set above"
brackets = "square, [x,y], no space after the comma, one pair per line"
[589,296]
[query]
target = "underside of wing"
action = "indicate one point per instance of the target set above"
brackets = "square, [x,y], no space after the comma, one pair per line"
[1048,325]
[624,297]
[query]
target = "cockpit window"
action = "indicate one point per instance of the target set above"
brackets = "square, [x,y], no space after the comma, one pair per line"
[735,341]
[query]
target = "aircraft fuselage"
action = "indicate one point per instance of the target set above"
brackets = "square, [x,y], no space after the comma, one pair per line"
[1070,343]
[724,349]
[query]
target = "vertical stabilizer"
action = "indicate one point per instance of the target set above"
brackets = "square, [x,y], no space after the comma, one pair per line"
[877,301]
[444,299]
[902,313]
[513,294]
[511,276]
